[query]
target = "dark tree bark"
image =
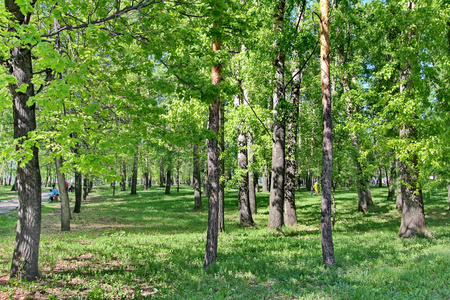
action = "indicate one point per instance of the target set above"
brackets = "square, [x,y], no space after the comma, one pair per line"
[380,177]
[221,220]
[24,264]
[196,179]
[413,214]
[145,179]
[212,231]
[63,193]
[14,186]
[85,187]
[78,192]
[276,201]
[327,158]
[390,180]
[123,182]
[168,180]
[134,174]
[113,185]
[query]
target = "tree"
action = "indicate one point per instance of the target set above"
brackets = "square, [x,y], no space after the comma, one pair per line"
[327,166]
[276,201]
[20,69]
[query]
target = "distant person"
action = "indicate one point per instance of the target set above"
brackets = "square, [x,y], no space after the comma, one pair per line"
[54,195]
[312,191]
[71,188]
[316,187]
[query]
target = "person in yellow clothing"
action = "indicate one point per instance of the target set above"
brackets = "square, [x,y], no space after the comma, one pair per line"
[316,187]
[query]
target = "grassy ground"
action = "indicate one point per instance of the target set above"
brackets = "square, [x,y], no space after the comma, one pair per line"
[152,245]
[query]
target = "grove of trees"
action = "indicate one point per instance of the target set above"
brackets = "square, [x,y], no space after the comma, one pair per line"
[231,93]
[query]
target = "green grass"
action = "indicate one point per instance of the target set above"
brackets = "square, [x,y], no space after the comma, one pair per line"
[152,245]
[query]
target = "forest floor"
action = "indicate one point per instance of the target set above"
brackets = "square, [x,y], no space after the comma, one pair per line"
[152,246]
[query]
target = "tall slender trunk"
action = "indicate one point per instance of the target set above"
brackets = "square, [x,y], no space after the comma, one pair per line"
[123,182]
[290,213]
[221,220]
[390,180]
[146,175]
[134,174]
[276,200]
[162,180]
[63,193]
[399,194]
[168,181]
[196,179]
[212,231]
[178,174]
[448,190]
[327,158]
[251,176]
[85,187]
[78,192]
[265,180]
[245,216]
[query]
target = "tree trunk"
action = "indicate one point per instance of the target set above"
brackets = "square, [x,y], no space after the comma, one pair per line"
[212,231]
[146,178]
[380,177]
[413,214]
[221,213]
[162,180]
[265,180]
[390,180]
[178,175]
[290,213]
[399,198]
[14,186]
[206,184]
[245,216]
[327,158]
[168,180]
[196,179]
[448,195]
[85,187]
[28,231]
[63,193]
[78,192]
[134,174]
[123,182]
[251,178]
[26,248]
[276,200]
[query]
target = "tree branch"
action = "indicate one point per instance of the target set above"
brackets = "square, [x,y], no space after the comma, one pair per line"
[141,4]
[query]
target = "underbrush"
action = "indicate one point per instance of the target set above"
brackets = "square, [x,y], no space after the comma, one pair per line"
[152,246]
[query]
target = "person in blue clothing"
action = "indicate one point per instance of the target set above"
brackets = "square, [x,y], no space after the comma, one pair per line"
[54,195]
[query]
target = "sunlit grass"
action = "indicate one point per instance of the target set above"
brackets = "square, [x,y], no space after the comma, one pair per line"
[152,245]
